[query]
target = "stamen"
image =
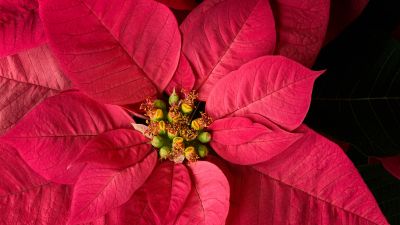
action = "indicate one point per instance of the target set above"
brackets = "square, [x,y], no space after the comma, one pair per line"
[190,97]
[186,108]
[207,120]
[147,106]
[188,134]
[190,154]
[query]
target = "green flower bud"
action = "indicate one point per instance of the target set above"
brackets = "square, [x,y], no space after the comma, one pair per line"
[160,104]
[186,108]
[157,141]
[158,115]
[173,98]
[164,152]
[202,150]
[204,137]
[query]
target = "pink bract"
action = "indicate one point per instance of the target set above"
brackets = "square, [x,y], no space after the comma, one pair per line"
[115,59]
[235,32]
[274,86]
[235,137]
[26,79]
[71,156]
[21,27]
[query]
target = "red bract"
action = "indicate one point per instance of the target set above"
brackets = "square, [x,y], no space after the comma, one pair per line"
[266,168]
[21,27]
[25,80]
[301,27]
[273,86]
[118,53]
[392,164]
[26,196]
[264,140]
[180,4]
[234,32]
[312,177]
[50,147]
[342,13]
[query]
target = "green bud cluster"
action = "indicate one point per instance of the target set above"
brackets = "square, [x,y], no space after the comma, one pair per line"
[175,132]
[173,98]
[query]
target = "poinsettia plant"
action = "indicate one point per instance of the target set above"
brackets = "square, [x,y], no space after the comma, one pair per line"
[199,123]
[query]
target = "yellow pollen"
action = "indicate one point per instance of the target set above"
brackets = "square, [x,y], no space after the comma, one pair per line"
[161,128]
[159,114]
[186,108]
[177,140]
[190,154]
[196,124]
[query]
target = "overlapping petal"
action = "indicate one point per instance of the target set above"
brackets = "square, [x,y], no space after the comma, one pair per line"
[208,201]
[115,149]
[301,28]
[239,140]
[161,198]
[183,77]
[54,133]
[20,26]
[118,53]
[272,86]
[98,190]
[220,35]
[27,198]
[313,177]
[26,79]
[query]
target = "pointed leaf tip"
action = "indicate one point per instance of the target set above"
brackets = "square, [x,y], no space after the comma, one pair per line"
[314,171]
[119,53]
[272,86]
[53,134]
[220,36]
[26,79]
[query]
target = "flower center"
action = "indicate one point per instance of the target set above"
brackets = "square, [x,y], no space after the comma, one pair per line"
[178,130]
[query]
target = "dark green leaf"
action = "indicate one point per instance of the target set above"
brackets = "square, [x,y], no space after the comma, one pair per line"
[358,100]
[385,188]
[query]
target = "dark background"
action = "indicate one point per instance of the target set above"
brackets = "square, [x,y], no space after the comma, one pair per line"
[357,101]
